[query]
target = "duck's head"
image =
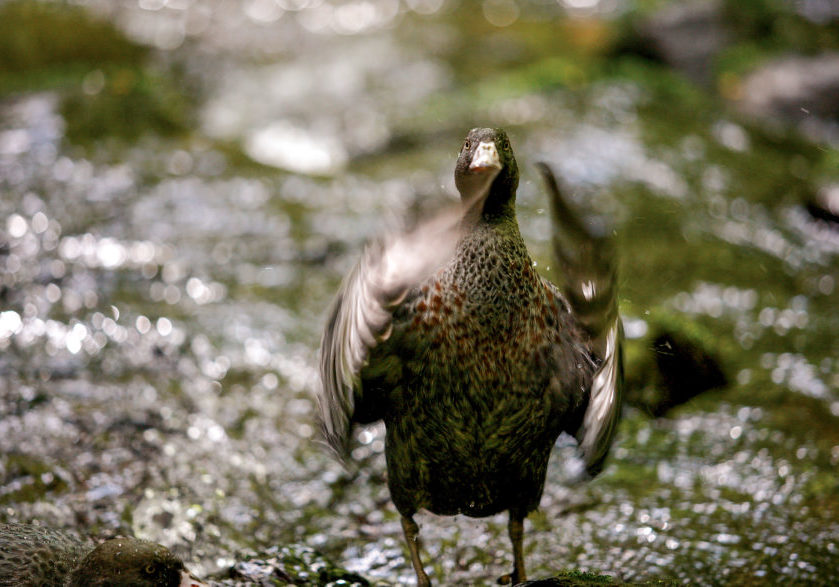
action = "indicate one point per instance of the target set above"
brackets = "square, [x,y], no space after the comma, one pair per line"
[125,562]
[486,171]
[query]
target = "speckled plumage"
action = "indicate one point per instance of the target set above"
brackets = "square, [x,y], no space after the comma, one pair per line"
[32,555]
[42,557]
[474,362]
[472,420]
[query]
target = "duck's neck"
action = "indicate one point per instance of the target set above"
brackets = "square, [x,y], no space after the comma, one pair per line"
[498,207]
[490,229]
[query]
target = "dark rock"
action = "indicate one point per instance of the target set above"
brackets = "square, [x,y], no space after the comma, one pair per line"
[294,565]
[672,365]
[687,36]
[686,370]
[824,205]
[799,90]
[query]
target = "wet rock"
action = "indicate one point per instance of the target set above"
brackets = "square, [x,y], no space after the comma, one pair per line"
[571,579]
[799,90]
[686,370]
[824,205]
[671,367]
[685,35]
[295,565]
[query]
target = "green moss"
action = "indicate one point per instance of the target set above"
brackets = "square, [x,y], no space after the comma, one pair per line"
[44,45]
[637,479]
[28,479]
[132,102]
[543,75]
[822,490]
[740,59]
[108,89]
[297,564]
[667,91]
[577,578]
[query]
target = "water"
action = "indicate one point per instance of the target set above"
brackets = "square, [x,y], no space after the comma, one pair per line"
[164,285]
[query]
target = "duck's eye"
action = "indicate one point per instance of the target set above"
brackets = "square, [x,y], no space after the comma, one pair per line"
[149,570]
[505,145]
[466,145]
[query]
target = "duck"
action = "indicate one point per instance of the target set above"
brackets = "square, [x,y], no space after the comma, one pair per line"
[474,361]
[37,556]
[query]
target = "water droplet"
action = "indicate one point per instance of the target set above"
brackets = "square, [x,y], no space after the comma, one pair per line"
[16,226]
[142,324]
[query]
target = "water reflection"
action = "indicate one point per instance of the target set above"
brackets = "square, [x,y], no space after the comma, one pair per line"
[287,147]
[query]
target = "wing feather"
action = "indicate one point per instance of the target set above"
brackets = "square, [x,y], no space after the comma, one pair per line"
[587,259]
[361,315]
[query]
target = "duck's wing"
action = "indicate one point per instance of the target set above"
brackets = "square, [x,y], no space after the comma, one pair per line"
[601,418]
[587,260]
[361,317]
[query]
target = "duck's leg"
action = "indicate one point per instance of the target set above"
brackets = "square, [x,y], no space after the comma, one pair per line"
[515,527]
[411,531]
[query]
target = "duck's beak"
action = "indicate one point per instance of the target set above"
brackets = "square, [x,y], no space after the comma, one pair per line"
[485,158]
[190,580]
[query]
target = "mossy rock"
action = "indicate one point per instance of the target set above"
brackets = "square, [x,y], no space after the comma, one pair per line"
[294,564]
[129,103]
[673,364]
[44,45]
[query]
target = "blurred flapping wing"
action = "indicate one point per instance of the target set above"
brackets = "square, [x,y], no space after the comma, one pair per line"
[587,259]
[361,315]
